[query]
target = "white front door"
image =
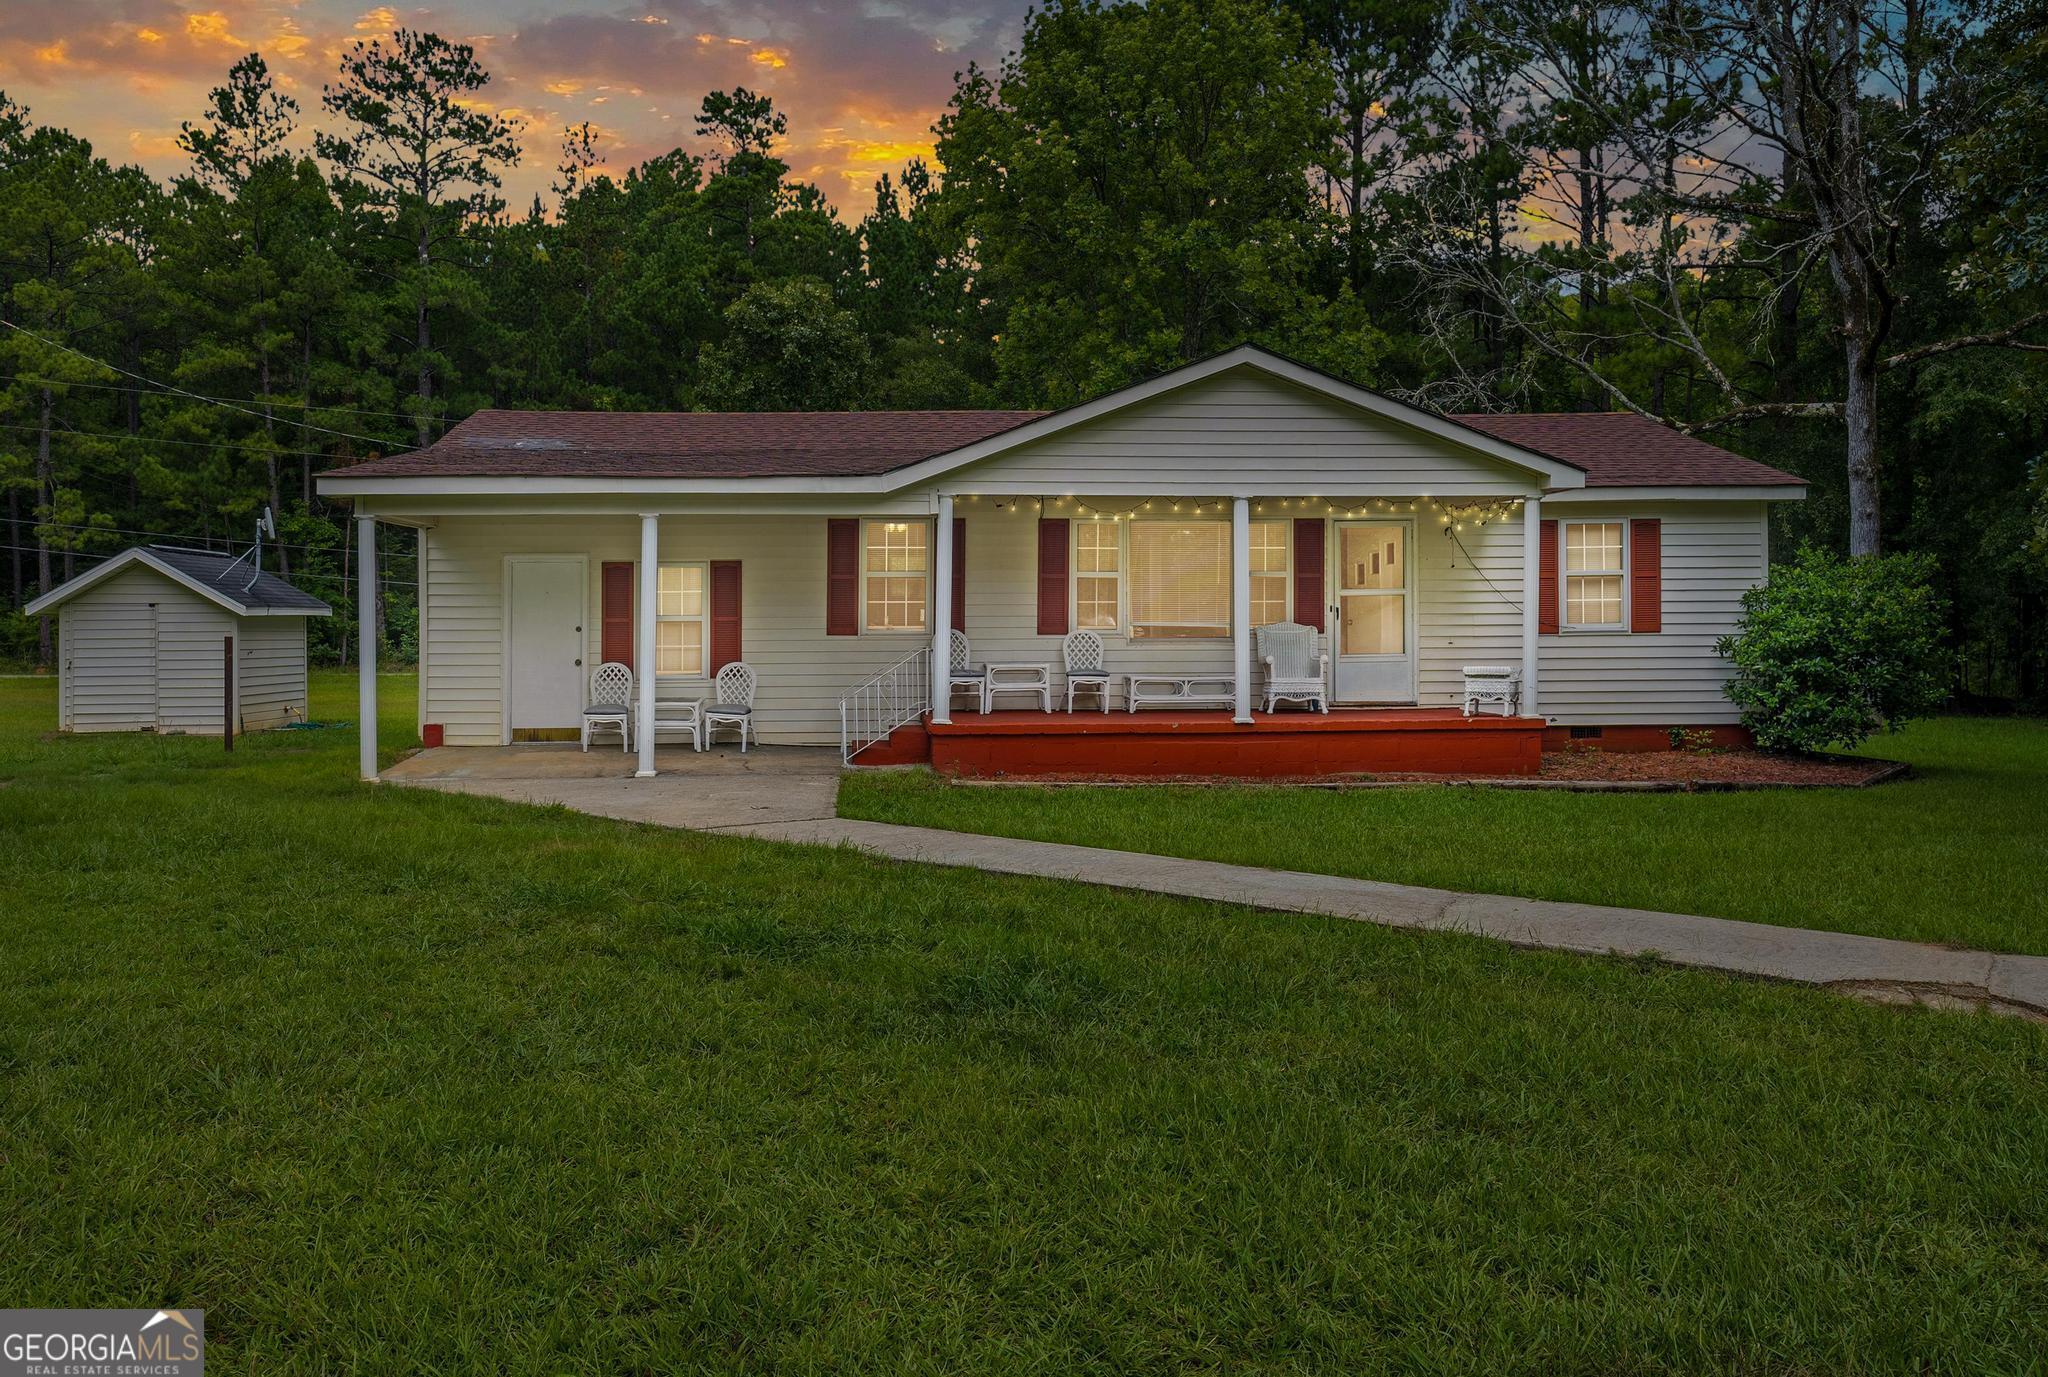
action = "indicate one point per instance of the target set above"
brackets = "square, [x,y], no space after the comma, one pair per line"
[1375,650]
[544,600]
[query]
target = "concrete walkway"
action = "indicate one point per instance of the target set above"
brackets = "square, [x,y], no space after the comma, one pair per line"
[791,795]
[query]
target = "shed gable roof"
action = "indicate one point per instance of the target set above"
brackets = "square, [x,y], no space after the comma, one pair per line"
[224,579]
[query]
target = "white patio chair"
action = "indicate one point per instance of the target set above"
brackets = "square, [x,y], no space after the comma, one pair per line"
[732,703]
[1082,651]
[611,703]
[1297,668]
[959,673]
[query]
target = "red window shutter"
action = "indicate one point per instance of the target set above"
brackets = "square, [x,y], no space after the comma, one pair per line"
[842,576]
[616,621]
[1052,576]
[725,613]
[959,573]
[1646,574]
[1546,578]
[1308,571]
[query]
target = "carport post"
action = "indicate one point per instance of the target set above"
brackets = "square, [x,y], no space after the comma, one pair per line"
[366,644]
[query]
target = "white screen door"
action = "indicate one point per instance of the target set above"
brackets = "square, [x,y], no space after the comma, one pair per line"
[1375,649]
[544,670]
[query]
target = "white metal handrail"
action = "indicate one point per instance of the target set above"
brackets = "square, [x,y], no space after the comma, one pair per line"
[898,696]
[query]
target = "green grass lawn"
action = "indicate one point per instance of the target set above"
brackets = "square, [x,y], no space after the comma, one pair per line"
[1956,854]
[392,1080]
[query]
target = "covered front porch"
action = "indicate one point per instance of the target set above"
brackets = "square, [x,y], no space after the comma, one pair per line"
[839,603]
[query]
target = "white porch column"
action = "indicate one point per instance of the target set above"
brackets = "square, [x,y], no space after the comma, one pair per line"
[1241,602]
[643,638]
[366,644]
[1532,592]
[942,612]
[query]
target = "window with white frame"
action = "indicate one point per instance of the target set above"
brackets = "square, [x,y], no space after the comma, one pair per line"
[1269,572]
[1098,575]
[679,620]
[1179,579]
[1595,572]
[898,574]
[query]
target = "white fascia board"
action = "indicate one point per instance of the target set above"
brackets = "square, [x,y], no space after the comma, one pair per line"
[340,485]
[1772,492]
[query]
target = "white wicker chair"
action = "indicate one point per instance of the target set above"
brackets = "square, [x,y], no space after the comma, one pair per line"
[732,703]
[611,702]
[1082,651]
[960,675]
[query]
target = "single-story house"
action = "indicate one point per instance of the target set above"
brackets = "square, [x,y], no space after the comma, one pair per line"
[1598,555]
[146,639]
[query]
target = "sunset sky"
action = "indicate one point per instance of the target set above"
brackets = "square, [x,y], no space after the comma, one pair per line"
[861,82]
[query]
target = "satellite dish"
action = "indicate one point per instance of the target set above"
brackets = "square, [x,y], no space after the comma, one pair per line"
[265,525]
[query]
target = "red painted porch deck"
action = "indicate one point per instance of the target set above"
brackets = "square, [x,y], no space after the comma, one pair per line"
[1153,742]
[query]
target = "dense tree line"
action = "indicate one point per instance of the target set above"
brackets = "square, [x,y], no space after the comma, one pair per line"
[1810,231]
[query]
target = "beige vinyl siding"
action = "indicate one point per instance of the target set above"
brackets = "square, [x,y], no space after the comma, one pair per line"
[190,637]
[1462,618]
[270,669]
[782,615]
[1216,435]
[107,636]
[1712,553]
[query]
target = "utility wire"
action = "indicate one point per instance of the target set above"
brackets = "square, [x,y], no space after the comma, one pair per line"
[248,401]
[98,557]
[181,392]
[154,440]
[173,535]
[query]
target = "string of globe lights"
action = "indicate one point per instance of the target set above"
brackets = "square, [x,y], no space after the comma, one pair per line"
[1455,515]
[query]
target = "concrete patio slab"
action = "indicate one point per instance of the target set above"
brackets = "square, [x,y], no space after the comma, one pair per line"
[789,794]
[705,791]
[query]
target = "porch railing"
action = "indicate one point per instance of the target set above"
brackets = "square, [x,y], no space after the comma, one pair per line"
[872,709]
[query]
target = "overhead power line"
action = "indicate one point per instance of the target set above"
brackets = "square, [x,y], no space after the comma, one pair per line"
[194,396]
[123,435]
[246,401]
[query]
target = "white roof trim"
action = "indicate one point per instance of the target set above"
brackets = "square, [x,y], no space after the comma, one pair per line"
[91,578]
[1763,492]
[1555,473]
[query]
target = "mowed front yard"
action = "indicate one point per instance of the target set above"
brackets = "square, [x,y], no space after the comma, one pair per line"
[1956,854]
[395,1080]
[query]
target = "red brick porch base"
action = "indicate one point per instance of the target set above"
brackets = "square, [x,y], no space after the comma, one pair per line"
[1277,745]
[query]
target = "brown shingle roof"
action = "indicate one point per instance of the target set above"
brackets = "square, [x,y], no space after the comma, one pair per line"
[1616,449]
[690,444]
[1619,449]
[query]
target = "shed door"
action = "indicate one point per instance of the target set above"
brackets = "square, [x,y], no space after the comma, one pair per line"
[544,671]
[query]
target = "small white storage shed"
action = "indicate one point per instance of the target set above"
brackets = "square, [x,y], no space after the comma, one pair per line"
[144,641]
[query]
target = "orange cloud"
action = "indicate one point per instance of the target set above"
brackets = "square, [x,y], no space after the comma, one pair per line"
[768,57]
[211,27]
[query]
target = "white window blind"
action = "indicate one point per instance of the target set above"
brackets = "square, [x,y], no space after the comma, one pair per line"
[1180,578]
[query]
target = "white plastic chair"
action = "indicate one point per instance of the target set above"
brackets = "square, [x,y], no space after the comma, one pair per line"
[732,703]
[1297,665]
[959,673]
[1082,651]
[611,703]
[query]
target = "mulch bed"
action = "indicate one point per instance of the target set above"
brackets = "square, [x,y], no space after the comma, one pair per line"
[1717,771]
